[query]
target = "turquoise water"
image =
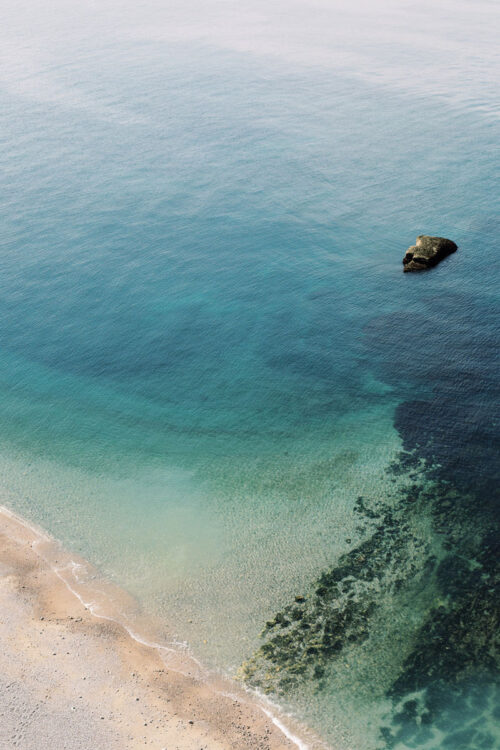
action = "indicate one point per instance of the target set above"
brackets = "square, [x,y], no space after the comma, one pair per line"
[209,351]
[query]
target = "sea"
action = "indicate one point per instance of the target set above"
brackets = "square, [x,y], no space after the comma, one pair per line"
[218,386]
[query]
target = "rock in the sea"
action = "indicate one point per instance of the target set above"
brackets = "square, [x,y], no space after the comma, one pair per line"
[427,252]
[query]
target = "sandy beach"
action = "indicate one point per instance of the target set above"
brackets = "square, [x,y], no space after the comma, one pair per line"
[72,679]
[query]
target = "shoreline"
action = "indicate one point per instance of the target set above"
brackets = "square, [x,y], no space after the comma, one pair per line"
[94,671]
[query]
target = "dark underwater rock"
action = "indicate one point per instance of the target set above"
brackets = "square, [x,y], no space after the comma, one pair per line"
[427,252]
[305,639]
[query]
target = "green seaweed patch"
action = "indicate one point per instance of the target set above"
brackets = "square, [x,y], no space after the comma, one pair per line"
[455,660]
[304,639]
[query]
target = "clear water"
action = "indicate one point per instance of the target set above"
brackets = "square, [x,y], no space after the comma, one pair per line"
[205,331]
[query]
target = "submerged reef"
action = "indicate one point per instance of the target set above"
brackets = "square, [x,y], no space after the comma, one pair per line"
[425,541]
[430,555]
[452,673]
[303,640]
[427,252]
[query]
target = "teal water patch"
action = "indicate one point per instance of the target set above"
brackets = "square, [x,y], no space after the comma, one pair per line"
[234,534]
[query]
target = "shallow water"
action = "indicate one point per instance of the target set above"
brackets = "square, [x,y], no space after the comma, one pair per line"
[208,348]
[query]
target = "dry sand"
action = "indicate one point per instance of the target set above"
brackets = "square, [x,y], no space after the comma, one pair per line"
[71,679]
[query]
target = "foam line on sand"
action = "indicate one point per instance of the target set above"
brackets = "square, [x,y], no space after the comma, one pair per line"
[93,670]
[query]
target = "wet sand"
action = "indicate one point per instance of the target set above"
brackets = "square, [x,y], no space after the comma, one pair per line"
[70,678]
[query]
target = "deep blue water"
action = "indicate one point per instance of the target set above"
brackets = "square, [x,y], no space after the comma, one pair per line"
[209,349]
